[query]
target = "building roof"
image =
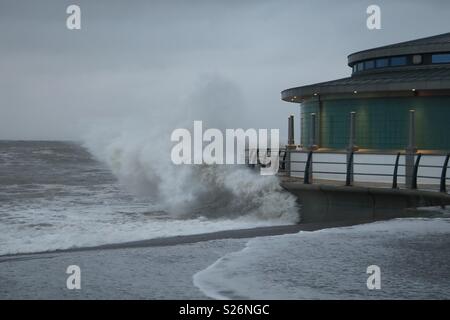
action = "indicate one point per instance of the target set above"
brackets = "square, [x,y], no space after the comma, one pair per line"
[435,77]
[383,80]
[438,43]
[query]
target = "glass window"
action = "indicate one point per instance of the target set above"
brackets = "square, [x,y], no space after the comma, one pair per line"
[354,68]
[369,64]
[381,63]
[360,66]
[417,59]
[398,61]
[440,58]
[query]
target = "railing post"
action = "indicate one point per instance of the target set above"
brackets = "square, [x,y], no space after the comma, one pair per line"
[290,145]
[308,169]
[312,133]
[443,187]
[349,175]
[300,140]
[411,151]
[288,162]
[416,170]
[394,176]
[281,164]
[351,148]
[352,134]
[291,140]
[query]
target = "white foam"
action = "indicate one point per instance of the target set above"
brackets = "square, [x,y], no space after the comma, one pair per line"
[86,219]
[413,255]
[142,163]
[138,152]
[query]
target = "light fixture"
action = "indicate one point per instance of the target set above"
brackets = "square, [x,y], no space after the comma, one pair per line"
[417,59]
[315,94]
[413,89]
[355,91]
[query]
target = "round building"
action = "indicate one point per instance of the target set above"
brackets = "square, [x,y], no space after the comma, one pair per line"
[387,84]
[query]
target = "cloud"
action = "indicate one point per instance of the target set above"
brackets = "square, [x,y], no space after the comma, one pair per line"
[129,57]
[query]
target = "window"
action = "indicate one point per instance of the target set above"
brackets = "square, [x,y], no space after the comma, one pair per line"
[360,66]
[440,58]
[417,59]
[398,61]
[369,64]
[381,63]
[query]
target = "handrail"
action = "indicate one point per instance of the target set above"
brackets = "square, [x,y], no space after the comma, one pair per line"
[443,186]
[416,169]
[348,180]
[394,178]
[357,170]
[306,178]
[440,153]
[282,165]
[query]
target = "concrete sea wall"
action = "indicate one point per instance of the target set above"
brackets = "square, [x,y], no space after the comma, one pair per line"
[327,203]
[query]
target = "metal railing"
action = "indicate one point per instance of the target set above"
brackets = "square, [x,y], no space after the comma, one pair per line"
[346,169]
[350,172]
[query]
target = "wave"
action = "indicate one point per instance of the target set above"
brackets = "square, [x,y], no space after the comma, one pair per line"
[137,150]
[413,255]
[212,191]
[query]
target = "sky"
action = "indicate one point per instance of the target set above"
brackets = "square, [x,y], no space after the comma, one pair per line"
[221,58]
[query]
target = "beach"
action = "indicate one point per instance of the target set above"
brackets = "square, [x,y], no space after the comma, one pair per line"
[263,263]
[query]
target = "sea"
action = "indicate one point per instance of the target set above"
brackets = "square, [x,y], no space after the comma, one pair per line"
[57,195]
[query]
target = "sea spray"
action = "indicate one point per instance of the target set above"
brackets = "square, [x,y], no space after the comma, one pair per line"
[142,164]
[137,150]
[56,196]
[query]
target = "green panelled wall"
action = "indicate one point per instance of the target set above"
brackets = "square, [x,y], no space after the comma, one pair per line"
[381,123]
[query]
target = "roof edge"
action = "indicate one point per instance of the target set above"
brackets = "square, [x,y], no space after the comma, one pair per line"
[421,45]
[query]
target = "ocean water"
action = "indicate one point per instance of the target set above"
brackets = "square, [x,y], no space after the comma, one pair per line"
[413,256]
[143,273]
[59,195]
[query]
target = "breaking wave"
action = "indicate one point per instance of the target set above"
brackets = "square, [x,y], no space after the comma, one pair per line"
[137,150]
[142,163]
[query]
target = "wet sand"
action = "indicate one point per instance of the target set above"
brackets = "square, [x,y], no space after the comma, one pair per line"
[188,239]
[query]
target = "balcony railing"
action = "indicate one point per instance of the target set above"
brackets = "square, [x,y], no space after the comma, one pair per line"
[427,171]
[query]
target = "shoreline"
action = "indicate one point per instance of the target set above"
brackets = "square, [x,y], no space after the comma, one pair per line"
[195,238]
[164,268]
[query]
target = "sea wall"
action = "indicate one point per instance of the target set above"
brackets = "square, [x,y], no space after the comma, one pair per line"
[326,203]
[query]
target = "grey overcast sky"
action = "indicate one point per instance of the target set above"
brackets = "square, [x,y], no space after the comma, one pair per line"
[132,58]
